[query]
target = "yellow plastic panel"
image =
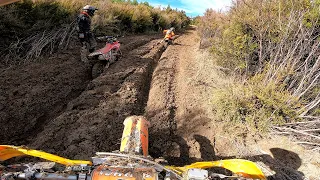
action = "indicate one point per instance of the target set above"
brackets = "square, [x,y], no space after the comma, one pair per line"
[243,168]
[7,152]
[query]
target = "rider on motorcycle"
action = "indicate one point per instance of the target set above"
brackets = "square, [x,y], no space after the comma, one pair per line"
[84,27]
[169,34]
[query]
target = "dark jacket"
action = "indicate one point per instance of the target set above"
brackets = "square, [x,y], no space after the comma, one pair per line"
[84,22]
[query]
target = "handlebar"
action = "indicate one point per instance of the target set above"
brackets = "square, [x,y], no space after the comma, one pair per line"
[81,174]
[87,172]
[103,38]
[46,176]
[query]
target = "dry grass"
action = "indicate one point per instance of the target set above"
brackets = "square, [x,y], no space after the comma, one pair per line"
[34,27]
[242,106]
[269,50]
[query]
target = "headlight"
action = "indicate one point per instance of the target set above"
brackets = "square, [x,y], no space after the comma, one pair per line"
[101,57]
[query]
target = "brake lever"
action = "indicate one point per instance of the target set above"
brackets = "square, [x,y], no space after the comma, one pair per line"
[15,168]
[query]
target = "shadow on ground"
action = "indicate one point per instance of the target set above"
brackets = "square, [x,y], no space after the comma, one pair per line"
[284,163]
[175,150]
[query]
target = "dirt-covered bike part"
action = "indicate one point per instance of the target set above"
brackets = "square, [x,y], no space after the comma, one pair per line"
[98,68]
[167,43]
[119,55]
[84,51]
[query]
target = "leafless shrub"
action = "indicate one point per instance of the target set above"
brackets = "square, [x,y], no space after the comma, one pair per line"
[30,48]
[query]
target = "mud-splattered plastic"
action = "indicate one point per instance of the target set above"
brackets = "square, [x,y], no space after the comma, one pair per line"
[135,136]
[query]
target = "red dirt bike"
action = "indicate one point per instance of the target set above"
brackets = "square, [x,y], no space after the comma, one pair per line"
[102,58]
[130,163]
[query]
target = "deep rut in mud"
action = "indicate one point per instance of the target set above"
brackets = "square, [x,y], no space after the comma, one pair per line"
[160,110]
[51,96]
[162,106]
[89,119]
[93,121]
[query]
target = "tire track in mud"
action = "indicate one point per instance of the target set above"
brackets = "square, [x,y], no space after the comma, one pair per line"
[34,94]
[183,123]
[93,121]
[160,110]
[171,109]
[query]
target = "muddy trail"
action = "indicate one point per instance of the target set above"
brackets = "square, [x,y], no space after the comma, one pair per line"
[35,94]
[178,106]
[184,128]
[54,105]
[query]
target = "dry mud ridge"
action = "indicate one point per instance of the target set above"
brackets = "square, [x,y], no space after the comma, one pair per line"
[55,106]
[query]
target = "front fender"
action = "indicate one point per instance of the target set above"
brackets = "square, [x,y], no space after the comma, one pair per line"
[96,53]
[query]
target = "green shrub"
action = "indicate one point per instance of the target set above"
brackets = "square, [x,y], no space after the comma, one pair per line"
[273,45]
[255,106]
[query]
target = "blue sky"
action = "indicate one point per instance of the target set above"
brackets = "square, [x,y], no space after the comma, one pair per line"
[192,7]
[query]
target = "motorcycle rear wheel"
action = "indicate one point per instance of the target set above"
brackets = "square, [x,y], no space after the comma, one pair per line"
[165,46]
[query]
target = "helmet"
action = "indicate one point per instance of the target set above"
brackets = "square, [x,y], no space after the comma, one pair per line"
[172,29]
[89,9]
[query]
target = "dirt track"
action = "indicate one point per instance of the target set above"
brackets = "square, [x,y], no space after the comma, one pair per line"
[57,96]
[183,124]
[55,106]
[174,105]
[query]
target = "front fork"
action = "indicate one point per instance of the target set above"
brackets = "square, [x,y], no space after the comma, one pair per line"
[84,52]
[135,136]
[119,54]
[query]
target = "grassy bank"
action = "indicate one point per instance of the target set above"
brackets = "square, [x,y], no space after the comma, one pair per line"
[31,28]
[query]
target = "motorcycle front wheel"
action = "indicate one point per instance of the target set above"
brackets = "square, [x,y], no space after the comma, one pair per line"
[119,55]
[98,68]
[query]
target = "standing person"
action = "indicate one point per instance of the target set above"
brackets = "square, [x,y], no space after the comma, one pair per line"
[84,31]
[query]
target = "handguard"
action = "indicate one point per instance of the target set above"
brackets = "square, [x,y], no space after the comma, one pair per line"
[243,168]
[7,152]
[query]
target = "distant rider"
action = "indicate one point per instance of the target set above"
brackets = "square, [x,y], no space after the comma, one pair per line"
[169,33]
[84,29]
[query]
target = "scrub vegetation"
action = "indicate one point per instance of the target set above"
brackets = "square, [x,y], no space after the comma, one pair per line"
[31,28]
[271,49]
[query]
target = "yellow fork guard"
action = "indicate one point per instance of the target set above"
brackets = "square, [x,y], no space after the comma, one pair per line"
[7,152]
[243,168]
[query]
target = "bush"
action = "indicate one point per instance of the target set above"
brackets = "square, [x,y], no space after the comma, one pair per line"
[24,23]
[130,16]
[273,45]
[255,106]
[27,18]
